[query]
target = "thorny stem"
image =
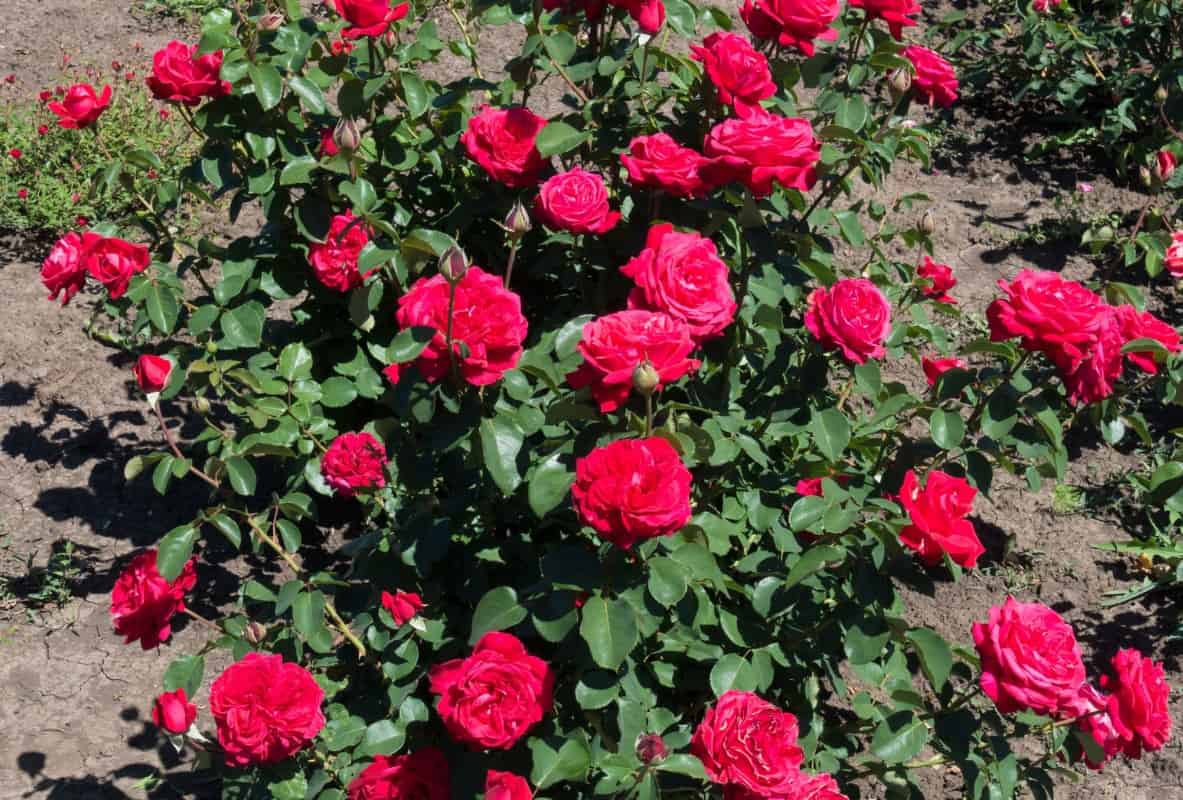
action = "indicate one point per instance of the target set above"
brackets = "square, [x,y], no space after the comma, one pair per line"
[469,43]
[264,537]
[344,628]
[448,333]
[648,414]
[172,445]
[513,254]
[203,620]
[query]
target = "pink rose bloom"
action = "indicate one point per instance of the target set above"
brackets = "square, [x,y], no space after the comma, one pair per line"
[852,316]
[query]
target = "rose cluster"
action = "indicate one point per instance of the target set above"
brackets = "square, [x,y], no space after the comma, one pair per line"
[109,260]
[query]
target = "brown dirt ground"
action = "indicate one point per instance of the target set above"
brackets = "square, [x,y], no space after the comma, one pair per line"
[74,700]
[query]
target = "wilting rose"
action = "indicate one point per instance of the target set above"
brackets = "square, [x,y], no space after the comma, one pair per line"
[143,602]
[575,201]
[180,75]
[64,270]
[1030,658]
[1137,324]
[152,373]
[760,150]
[792,23]
[1138,702]
[421,775]
[354,462]
[631,490]
[852,316]
[502,142]
[896,13]
[934,368]
[112,262]
[334,261]
[506,786]
[658,162]
[748,743]
[487,320]
[172,711]
[266,710]
[935,79]
[492,698]
[738,71]
[81,106]
[938,524]
[937,279]
[614,345]
[1174,256]
[682,275]
[648,14]
[402,606]
[369,17]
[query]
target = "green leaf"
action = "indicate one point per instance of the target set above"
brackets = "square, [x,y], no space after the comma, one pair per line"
[811,561]
[899,738]
[416,93]
[174,550]
[163,308]
[558,137]
[409,344]
[268,84]
[610,629]
[228,528]
[501,440]
[298,171]
[243,326]
[309,93]
[287,595]
[242,475]
[556,760]
[668,580]
[498,610]
[337,392]
[549,486]
[831,431]
[308,613]
[732,672]
[948,428]
[185,672]
[382,738]
[807,512]
[936,657]
[295,362]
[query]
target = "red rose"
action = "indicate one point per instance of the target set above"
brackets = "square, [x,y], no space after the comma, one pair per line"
[761,149]
[1137,324]
[648,14]
[506,786]
[1137,703]
[812,487]
[896,13]
[1030,658]
[938,512]
[15,153]
[22,194]
[739,72]
[819,787]
[1174,257]
[1050,315]
[143,602]
[112,262]
[266,710]
[491,699]
[682,275]
[64,271]
[613,346]
[1165,162]
[746,742]
[791,23]
[487,319]
[369,17]
[81,106]
[328,145]
[658,162]
[335,259]
[632,489]
[1095,376]
[421,775]
[403,606]
[501,140]
[354,462]
[936,80]
[575,201]
[852,316]
[180,75]
[173,712]
[1090,710]
[934,368]
[152,373]
[938,280]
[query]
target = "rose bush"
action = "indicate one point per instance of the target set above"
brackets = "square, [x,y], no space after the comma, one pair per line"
[631,507]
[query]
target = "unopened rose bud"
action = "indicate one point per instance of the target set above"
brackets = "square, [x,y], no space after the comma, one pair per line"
[271,22]
[1127,19]
[1145,176]
[928,223]
[650,748]
[517,221]
[453,264]
[202,405]
[255,632]
[390,38]
[1161,95]
[346,135]
[901,81]
[1164,165]
[646,378]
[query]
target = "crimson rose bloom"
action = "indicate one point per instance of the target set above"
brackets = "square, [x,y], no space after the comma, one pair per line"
[658,162]
[761,149]
[502,142]
[152,373]
[180,75]
[1166,162]
[403,606]
[682,275]
[632,489]
[506,786]
[740,73]
[369,17]
[335,259]
[487,320]
[1030,658]
[934,368]
[491,699]
[1051,315]
[1095,376]
[266,710]
[575,201]
[354,462]
[938,279]
[936,80]
[421,775]
[852,316]
[614,345]
[112,262]
[1137,324]
[81,106]
[143,602]
[1138,702]
[745,742]
[1089,709]
[648,14]
[792,23]
[173,712]
[938,512]
[1174,256]
[896,13]
[63,271]
[812,487]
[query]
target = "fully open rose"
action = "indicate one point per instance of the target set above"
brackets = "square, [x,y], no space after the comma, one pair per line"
[81,106]
[659,162]
[502,142]
[334,261]
[739,72]
[934,79]
[575,201]
[1138,702]
[747,743]
[938,513]
[506,786]
[761,150]
[113,261]
[181,75]
[896,13]
[851,316]
[143,602]
[63,272]
[354,462]
[369,18]
[419,775]
[792,23]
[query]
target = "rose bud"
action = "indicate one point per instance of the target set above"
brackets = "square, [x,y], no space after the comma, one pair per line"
[517,222]
[271,22]
[900,81]
[346,135]
[255,632]
[202,405]
[650,748]
[1164,165]
[1145,176]
[152,373]
[645,378]
[453,264]
[173,712]
[390,38]
[928,223]
[1161,95]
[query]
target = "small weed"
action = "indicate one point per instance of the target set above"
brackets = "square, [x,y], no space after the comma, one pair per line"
[179,9]
[51,586]
[1068,499]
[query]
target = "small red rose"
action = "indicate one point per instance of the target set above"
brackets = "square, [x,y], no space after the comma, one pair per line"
[354,462]
[1165,163]
[152,373]
[334,261]
[143,602]
[173,712]
[934,368]
[81,106]
[402,606]
[938,524]
[575,201]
